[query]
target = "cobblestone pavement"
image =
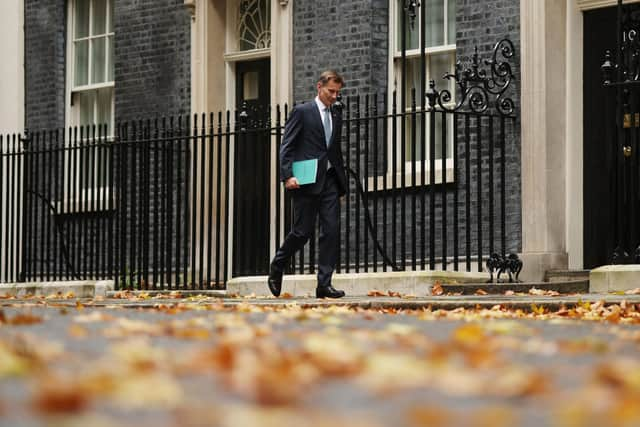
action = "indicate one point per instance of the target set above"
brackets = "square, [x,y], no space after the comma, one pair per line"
[195,363]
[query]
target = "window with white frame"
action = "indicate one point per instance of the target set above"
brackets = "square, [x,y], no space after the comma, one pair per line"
[90,63]
[90,90]
[440,56]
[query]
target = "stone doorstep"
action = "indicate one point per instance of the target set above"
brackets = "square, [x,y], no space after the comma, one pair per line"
[612,278]
[417,283]
[565,287]
[79,288]
[566,275]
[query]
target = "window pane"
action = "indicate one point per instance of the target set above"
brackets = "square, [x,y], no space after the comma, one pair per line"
[103,108]
[98,61]
[439,65]
[451,21]
[414,80]
[254,24]
[110,16]
[99,17]
[82,18]
[110,59]
[438,135]
[81,62]
[86,102]
[435,23]
[409,120]
[412,34]
[250,85]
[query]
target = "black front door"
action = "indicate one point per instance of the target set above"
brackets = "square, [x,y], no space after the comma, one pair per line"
[251,231]
[599,140]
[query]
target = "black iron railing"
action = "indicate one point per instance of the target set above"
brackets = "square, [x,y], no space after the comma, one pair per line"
[177,203]
[189,202]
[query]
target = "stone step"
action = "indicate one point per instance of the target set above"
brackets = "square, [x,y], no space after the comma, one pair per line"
[416,283]
[567,287]
[566,275]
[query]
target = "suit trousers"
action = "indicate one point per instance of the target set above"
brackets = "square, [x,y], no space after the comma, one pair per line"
[306,208]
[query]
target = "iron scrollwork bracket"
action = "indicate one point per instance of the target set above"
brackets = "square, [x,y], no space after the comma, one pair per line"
[510,264]
[478,88]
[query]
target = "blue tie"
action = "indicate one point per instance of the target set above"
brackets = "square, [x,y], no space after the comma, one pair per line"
[327,125]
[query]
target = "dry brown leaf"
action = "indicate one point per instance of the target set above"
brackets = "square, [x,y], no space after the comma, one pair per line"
[437,289]
[481,292]
[471,333]
[635,291]
[59,397]
[286,295]
[432,416]
[77,331]
[23,319]
[509,293]
[375,293]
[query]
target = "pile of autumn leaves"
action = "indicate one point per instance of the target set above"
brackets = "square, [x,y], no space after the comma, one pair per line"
[265,363]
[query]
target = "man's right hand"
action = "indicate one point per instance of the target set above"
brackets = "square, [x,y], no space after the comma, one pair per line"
[291,183]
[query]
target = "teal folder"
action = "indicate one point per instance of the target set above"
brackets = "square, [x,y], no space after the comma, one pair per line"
[305,171]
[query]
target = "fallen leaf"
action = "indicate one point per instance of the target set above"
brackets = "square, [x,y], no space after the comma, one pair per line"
[481,292]
[437,289]
[23,319]
[56,396]
[375,293]
[77,331]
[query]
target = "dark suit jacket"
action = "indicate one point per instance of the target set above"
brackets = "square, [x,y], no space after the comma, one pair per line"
[304,139]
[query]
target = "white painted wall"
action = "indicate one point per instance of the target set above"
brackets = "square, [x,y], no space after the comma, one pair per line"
[11,116]
[11,66]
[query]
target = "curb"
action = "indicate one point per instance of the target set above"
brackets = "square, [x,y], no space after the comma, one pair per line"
[77,289]
[524,303]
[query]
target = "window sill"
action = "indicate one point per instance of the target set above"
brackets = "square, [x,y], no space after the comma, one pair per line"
[92,201]
[448,48]
[376,183]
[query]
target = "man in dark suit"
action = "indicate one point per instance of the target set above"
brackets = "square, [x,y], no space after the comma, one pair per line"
[313,131]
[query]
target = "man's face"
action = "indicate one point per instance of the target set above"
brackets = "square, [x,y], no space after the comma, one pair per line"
[329,92]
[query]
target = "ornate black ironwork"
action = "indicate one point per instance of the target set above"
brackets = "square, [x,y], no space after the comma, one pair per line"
[410,7]
[510,264]
[479,88]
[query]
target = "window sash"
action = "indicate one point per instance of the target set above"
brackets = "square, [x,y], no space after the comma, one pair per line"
[445,35]
[92,43]
[439,58]
[90,96]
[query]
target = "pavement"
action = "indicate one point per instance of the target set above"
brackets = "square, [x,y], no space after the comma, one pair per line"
[256,366]
[444,302]
[405,290]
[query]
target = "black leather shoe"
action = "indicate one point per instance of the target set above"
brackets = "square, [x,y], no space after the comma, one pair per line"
[275,281]
[328,292]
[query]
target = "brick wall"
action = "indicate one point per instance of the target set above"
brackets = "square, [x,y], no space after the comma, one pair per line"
[45,63]
[349,36]
[152,60]
[483,23]
[152,64]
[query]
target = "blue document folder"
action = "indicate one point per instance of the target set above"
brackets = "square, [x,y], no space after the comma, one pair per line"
[305,171]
